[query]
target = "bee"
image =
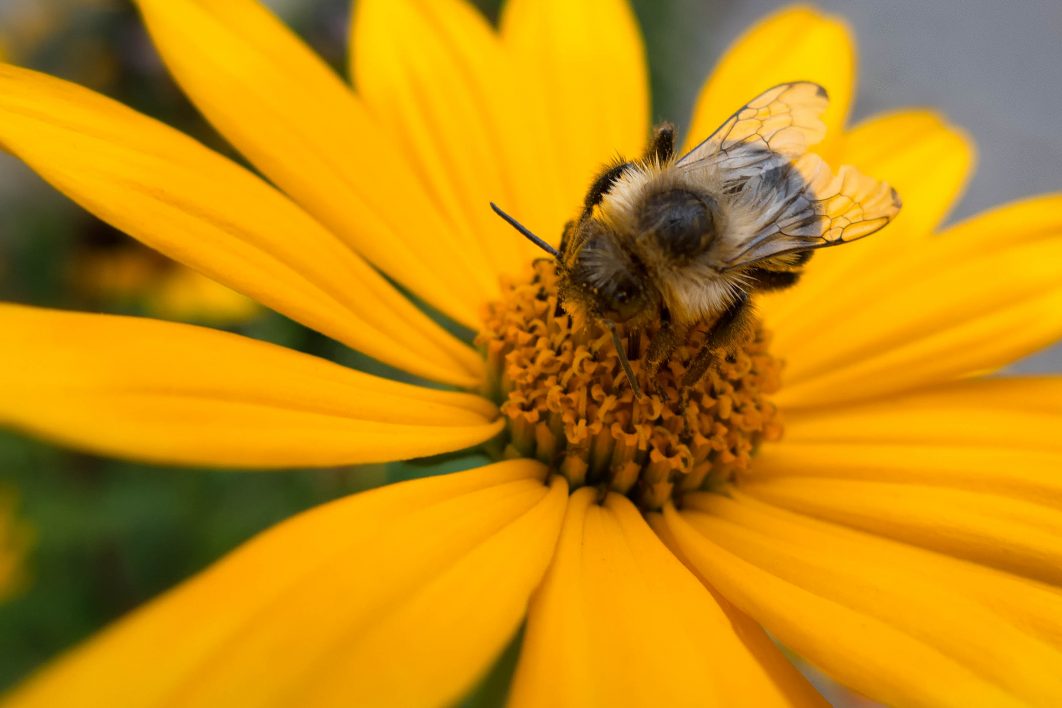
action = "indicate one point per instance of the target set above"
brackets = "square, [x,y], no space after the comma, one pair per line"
[685,242]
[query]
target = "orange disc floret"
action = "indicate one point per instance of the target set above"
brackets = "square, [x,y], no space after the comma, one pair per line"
[561,386]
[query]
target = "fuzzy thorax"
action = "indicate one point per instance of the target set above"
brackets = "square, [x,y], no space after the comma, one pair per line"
[562,389]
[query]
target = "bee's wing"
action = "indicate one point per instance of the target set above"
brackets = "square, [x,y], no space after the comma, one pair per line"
[803,205]
[777,126]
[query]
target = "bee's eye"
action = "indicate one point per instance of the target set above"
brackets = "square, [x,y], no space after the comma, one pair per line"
[607,274]
[682,222]
[623,300]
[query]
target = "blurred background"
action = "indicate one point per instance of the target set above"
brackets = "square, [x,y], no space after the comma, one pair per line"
[84,539]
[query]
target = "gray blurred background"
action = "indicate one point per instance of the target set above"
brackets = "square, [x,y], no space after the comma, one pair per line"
[110,534]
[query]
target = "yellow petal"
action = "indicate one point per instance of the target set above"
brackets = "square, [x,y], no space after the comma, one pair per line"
[970,469]
[619,622]
[1010,413]
[400,596]
[279,104]
[1022,537]
[975,298]
[1003,468]
[795,44]
[453,99]
[208,213]
[899,624]
[173,393]
[928,162]
[995,435]
[585,64]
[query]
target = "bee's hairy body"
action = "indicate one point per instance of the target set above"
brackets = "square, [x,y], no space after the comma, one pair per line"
[661,235]
[686,242]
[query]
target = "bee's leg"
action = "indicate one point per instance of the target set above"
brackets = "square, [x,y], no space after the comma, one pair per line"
[661,347]
[634,344]
[663,343]
[764,279]
[730,324]
[621,353]
[601,186]
[662,144]
[569,227]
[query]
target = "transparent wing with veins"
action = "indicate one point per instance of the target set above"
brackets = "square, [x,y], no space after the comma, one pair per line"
[777,126]
[805,205]
[789,199]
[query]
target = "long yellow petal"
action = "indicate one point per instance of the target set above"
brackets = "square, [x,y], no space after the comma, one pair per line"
[1022,537]
[206,212]
[458,108]
[278,103]
[985,435]
[795,44]
[970,469]
[1001,467]
[619,622]
[585,63]
[976,298]
[1010,413]
[899,624]
[401,596]
[928,162]
[172,393]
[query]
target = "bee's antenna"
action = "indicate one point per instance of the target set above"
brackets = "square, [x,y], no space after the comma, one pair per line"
[526,232]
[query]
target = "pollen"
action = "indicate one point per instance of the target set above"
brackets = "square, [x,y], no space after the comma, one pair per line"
[561,387]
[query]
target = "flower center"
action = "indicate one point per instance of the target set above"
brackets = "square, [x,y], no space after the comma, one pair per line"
[562,388]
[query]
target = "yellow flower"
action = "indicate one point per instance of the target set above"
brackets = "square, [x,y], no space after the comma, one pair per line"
[902,536]
[137,277]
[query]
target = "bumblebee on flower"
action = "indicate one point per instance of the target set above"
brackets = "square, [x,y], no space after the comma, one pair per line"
[873,532]
[678,243]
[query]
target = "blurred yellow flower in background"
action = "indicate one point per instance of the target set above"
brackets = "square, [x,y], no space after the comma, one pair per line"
[903,535]
[14,539]
[148,283]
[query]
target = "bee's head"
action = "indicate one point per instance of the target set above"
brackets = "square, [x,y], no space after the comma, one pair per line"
[604,278]
[597,276]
